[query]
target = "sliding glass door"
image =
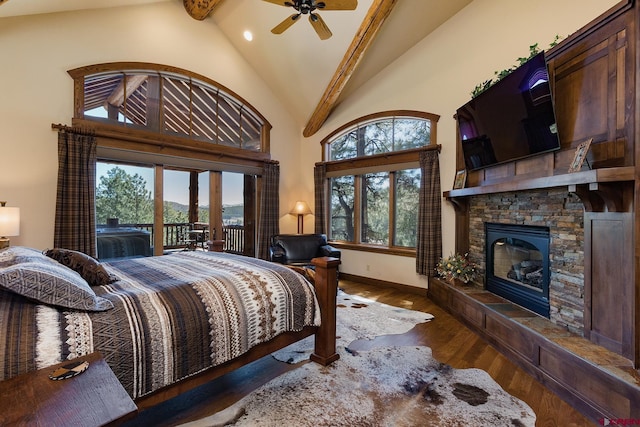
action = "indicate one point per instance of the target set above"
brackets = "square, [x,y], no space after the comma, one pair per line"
[124,210]
[197,206]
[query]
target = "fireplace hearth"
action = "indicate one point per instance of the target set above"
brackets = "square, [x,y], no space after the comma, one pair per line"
[517,259]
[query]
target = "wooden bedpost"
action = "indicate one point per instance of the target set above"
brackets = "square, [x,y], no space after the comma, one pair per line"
[326,284]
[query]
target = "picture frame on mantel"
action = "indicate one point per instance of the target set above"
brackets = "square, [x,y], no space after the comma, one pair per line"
[580,156]
[461,179]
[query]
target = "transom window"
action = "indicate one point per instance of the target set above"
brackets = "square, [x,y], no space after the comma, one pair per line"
[164,124]
[374,180]
[380,136]
[153,98]
[172,104]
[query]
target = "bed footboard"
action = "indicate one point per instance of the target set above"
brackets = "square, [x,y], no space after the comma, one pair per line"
[326,284]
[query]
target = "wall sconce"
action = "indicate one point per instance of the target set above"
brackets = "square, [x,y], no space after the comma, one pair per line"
[9,224]
[301,209]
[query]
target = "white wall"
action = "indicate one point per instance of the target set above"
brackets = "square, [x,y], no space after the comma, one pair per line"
[36,91]
[437,76]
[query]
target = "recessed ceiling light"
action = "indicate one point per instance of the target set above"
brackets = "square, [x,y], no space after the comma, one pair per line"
[248,36]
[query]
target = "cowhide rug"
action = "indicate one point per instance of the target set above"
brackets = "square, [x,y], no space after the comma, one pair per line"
[383,386]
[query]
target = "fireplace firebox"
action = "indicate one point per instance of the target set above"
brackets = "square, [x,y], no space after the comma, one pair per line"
[517,259]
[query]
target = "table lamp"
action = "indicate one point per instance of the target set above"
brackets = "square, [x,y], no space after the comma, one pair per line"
[9,224]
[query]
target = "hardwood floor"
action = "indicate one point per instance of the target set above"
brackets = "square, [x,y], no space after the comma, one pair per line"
[455,344]
[450,341]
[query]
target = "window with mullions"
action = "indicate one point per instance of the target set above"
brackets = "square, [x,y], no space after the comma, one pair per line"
[381,136]
[385,210]
[374,177]
[164,99]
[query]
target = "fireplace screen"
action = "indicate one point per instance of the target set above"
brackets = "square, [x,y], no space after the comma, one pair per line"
[518,261]
[518,264]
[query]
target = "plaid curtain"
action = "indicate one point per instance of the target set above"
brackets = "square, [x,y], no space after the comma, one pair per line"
[75,221]
[269,208]
[429,242]
[320,184]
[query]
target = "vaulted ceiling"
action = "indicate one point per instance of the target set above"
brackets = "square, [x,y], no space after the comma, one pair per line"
[310,76]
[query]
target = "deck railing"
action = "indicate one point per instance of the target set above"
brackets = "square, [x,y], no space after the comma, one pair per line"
[233,239]
[176,235]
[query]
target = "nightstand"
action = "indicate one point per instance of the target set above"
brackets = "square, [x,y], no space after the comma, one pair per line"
[93,398]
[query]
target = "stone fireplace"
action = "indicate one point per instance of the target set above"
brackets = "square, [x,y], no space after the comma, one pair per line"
[562,213]
[518,264]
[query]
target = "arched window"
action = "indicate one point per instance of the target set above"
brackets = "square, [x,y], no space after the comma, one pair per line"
[138,101]
[374,178]
[157,126]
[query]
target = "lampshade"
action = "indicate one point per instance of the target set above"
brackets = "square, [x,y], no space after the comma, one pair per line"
[9,224]
[9,221]
[301,208]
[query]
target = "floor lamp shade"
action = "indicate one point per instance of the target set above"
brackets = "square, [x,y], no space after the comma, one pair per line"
[9,224]
[301,209]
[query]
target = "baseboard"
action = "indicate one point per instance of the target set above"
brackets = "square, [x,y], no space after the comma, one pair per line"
[383,283]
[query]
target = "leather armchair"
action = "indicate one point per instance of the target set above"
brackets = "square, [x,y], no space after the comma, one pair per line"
[299,249]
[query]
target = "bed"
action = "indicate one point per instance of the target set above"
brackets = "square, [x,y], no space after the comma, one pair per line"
[163,324]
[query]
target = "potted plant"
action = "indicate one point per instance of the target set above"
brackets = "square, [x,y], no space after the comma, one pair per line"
[456,267]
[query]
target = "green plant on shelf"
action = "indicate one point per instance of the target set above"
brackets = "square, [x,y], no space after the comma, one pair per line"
[533,51]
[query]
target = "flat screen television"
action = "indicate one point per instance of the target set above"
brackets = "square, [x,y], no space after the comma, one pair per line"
[512,119]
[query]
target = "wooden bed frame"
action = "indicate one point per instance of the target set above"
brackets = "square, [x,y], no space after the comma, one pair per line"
[326,285]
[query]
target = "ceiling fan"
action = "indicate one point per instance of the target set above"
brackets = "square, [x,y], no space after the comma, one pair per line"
[309,7]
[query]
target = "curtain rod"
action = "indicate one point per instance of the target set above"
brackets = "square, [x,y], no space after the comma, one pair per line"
[100,134]
[72,129]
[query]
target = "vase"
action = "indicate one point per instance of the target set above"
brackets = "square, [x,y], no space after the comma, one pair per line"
[456,282]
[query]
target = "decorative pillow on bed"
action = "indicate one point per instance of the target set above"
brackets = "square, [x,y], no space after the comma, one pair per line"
[18,254]
[52,284]
[88,267]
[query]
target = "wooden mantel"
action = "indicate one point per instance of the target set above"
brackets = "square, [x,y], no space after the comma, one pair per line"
[571,180]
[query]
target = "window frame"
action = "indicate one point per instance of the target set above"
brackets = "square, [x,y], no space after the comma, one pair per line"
[118,136]
[117,142]
[385,162]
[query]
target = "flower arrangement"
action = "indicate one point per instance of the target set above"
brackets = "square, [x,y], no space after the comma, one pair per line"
[456,267]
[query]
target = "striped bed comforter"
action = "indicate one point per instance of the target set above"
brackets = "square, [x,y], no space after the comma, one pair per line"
[174,316]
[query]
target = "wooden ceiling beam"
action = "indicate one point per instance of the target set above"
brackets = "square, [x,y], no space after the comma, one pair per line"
[200,9]
[133,82]
[378,13]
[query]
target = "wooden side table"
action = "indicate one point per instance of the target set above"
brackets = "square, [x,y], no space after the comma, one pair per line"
[93,398]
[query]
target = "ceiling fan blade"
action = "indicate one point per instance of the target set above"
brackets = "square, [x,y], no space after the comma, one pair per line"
[338,4]
[279,2]
[318,24]
[281,27]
